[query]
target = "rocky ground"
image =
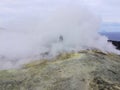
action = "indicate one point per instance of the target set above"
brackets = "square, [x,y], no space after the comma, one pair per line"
[86,70]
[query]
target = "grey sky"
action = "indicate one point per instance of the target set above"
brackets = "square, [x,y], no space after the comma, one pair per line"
[109,10]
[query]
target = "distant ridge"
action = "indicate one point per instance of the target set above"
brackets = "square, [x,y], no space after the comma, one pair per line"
[112,31]
[115,43]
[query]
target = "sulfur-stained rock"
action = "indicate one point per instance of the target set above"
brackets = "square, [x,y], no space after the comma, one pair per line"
[86,70]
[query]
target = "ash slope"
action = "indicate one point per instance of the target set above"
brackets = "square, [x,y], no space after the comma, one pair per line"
[86,70]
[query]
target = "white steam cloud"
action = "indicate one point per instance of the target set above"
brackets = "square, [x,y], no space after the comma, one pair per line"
[40,29]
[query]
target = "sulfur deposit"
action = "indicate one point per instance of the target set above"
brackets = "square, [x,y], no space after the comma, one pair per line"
[85,70]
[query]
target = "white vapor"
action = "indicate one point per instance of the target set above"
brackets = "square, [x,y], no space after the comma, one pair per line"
[36,30]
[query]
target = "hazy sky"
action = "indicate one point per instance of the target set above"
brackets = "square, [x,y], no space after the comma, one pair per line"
[108,9]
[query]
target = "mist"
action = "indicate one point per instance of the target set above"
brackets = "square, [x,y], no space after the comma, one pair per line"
[31,32]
